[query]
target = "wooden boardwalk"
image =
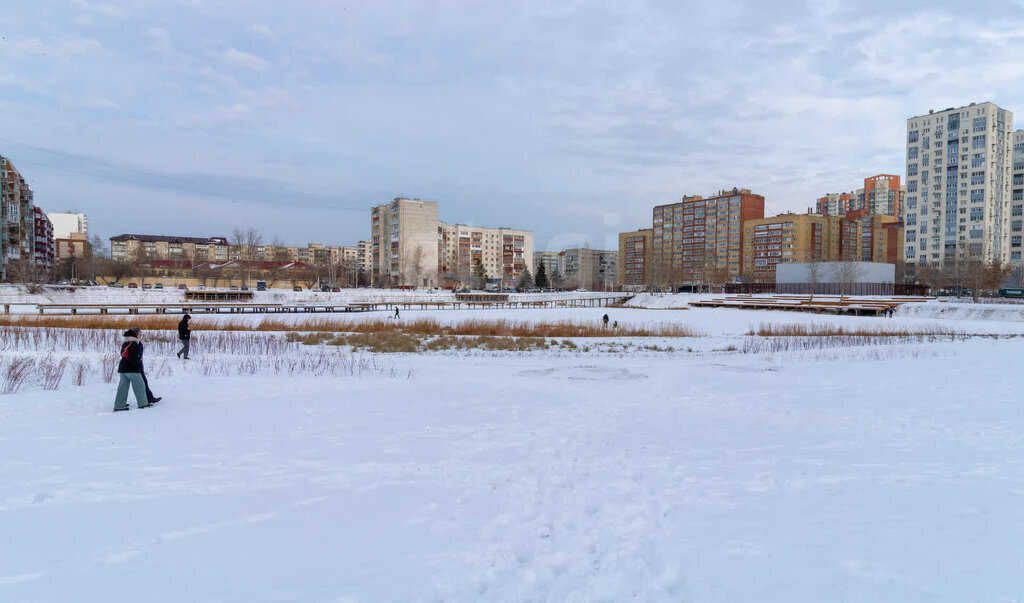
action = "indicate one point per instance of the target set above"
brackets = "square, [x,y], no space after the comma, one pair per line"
[240,307]
[857,306]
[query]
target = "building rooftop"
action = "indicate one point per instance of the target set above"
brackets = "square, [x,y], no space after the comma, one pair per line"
[170,239]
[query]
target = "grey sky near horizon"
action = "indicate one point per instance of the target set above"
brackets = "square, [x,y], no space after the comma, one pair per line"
[570,119]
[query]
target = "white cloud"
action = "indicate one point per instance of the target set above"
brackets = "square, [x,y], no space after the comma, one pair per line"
[261,30]
[160,41]
[238,58]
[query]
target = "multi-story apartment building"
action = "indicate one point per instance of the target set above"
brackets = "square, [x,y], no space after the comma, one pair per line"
[1017,198]
[880,195]
[796,238]
[592,269]
[959,173]
[364,256]
[65,223]
[880,237]
[634,251]
[135,247]
[76,245]
[17,218]
[504,254]
[42,240]
[549,259]
[411,247]
[697,237]
[404,236]
[835,204]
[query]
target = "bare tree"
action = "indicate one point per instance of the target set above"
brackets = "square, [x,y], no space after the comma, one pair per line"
[981,276]
[247,242]
[415,266]
[846,274]
[26,272]
[813,275]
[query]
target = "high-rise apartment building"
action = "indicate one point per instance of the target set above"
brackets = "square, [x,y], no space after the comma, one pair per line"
[42,240]
[634,252]
[65,223]
[17,216]
[880,195]
[1017,198]
[959,173]
[698,237]
[404,235]
[796,238]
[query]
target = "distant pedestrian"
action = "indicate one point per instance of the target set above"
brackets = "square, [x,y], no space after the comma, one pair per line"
[615,325]
[396,311]
[184,336]
[130,370]
[605,321]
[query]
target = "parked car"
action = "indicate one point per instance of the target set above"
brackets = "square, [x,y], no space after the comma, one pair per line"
[233,287]
[147,286]
[336,290]
[201,287]
[245,287]
[297,288]
[182,286]
[133,285]
[115,284]
[63,283]
[158,286]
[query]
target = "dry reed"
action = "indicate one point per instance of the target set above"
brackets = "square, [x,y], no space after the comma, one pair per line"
[419,326]
[828,330]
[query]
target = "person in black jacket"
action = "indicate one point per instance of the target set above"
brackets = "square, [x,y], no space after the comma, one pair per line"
[184,336]
[130,370]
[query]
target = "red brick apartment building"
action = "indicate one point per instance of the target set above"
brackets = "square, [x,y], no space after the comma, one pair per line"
[699,236]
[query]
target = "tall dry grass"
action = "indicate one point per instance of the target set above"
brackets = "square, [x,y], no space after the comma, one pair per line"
[828,330]
[418,326]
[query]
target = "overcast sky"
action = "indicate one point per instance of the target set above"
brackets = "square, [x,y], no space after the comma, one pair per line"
[571,119]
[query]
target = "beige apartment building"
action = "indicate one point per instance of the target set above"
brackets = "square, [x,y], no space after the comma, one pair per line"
[549,259]
[412,247]
[787,238]
[592,269]
[634,253]
[75,245]
[404,238]
[503,254]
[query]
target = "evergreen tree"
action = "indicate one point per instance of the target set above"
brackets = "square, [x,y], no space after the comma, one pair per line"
[526,280]
[542,277]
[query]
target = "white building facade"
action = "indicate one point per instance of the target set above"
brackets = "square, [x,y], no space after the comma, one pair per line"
[958,200]
[65,223]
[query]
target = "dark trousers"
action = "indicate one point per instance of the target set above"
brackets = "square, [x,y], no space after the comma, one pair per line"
[149,392]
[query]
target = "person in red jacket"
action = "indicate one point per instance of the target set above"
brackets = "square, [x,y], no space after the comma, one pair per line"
[130,371]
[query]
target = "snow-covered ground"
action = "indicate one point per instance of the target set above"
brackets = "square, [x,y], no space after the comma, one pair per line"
[870,473]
